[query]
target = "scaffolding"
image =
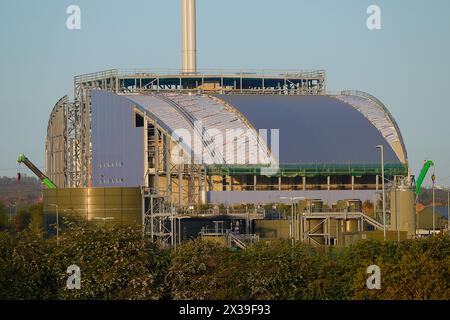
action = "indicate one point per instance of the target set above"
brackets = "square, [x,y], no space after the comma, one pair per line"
[159,219]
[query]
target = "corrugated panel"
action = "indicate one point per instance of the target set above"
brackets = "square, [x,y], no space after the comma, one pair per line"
[181,111]
[378,115]
[117,146]
[214,114]
[315,128]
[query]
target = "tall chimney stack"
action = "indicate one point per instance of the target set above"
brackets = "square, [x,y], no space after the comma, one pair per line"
[189,36]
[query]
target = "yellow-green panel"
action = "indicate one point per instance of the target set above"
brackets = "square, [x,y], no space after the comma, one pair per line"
[131,201]
[49,200]
[78,193]
[113,192]
[92,215]
[63,201]
[96,192]
[113,200]
[78,201]
[272,229]
[132,218]
[131,192]
[96,200]
[63,193]
[96,208]
[120,206]
[113,216]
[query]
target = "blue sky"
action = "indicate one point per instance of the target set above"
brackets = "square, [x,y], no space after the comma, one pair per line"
[405,64]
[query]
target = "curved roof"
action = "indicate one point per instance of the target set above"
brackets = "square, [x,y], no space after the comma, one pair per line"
[341,128]
[209,118]
[338,129]
[379,116]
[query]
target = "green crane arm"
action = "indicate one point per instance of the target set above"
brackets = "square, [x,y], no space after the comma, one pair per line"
[422,175]
[44,179]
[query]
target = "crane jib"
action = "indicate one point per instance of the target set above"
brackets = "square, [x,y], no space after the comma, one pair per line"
[44,179]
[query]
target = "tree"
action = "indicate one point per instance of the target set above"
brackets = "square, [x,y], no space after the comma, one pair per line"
[22,219]
[115,264]
[36,218]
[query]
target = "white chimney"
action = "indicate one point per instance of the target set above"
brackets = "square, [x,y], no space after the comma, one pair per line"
[189,36]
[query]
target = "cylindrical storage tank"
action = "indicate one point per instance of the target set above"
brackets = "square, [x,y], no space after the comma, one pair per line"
[351,226]
[402,204]
[314,205]
[106,206]
[354,205]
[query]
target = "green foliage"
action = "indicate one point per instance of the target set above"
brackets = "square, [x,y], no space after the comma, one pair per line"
[115,264]
[22,219]
[202,270]
[4,218]
[36,218]
[414,269]
[25,268]
[196,271]
[118,263]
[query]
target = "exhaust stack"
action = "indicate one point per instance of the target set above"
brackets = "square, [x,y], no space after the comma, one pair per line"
[189,36]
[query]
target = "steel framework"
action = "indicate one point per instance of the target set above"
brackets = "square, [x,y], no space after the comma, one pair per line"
[77,165]
[322,229]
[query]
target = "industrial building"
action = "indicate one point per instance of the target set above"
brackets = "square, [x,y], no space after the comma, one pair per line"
[162,147]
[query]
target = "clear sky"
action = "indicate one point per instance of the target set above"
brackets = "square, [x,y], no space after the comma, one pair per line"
[405,64]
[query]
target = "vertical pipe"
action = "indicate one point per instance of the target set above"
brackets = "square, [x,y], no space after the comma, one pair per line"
[180,182]
[189,51]
[151,219]
[200,186]
[384,195]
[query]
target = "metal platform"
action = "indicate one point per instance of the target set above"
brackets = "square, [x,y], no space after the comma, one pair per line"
[204,81]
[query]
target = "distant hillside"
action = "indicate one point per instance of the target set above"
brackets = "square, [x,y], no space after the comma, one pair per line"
[27,192]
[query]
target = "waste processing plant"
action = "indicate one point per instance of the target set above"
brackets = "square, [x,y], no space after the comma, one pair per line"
[115,152]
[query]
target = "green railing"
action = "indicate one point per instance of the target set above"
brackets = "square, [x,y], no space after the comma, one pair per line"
[309,170]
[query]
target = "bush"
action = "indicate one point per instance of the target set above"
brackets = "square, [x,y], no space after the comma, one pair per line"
[197,271]
[25,267]
[115,264]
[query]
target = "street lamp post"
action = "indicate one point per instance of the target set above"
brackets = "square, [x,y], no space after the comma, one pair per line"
[57,223]
[381,147]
